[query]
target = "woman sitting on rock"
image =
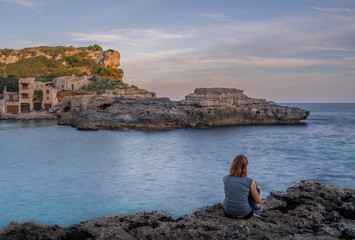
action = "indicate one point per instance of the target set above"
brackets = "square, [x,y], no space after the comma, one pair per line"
[242,195]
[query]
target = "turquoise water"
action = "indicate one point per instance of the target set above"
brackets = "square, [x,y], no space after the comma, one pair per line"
[59,175]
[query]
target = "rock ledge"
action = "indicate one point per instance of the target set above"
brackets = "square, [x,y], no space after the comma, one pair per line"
[308,210]
[204,107]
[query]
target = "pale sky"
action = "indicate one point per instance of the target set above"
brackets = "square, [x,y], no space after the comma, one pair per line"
[291,51]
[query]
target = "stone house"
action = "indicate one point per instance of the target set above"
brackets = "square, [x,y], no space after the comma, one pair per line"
[10,102]
[36,95]
[71,83]
[2,107]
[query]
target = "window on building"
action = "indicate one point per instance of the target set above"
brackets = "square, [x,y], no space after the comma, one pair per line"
[47,98]
[24,85]
[62,85]
[47,91]
[24,95]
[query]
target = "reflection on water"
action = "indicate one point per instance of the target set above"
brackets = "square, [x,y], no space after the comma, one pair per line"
[19,124]
[59,175]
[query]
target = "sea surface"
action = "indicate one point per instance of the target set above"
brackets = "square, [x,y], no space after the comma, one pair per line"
[59,175]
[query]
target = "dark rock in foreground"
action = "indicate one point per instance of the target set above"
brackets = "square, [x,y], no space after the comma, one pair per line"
[204,107]
[308,210]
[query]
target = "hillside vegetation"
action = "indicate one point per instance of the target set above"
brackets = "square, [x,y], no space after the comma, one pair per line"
[46,63]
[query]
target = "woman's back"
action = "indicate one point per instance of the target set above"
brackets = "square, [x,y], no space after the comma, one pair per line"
[237,190]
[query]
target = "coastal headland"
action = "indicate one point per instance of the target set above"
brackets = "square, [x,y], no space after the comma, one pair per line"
[204,107]
[307,210]
[84,87]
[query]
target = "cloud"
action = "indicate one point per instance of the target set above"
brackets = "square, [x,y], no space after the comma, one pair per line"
[320,48]
[132,37]
[333,10]
[24,3]
[185,60]
[208,15]
[97,37]
[289,53]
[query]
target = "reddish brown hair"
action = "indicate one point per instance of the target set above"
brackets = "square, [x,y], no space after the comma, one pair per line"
[239,166]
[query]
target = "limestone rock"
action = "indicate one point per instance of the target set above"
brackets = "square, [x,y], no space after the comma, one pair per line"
[308,210]
[108,58]
[112,58]
[205,107]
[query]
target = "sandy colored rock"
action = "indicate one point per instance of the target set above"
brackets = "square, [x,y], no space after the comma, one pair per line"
[108,58]
[111,58]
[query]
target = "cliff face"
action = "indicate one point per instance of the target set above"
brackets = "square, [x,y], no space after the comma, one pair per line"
[308,210]
[111,58]
[205,107]
[108,58]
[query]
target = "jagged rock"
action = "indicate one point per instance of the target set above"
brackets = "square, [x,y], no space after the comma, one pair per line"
[308,210]
[112,58]
[205,107]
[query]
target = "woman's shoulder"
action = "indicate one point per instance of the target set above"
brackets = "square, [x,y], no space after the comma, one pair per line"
[235,178]
[229,178]
[226,177]
[249,180]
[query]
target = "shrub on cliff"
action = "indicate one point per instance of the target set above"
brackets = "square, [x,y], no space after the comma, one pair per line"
[97,83]
[79,59]
[37,66]
[44,67]
[6,51]
[95,47]
[110,72]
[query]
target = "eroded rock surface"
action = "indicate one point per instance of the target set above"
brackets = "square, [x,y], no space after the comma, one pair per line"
[108,58]
[308,210]
[204,107]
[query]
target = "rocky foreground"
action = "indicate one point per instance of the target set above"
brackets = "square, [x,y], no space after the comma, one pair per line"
[204,107]
[308,210]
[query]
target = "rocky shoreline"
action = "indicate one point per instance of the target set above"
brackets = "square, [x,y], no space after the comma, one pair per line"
[30,116]
[204,107]
[307,210]
[141,110]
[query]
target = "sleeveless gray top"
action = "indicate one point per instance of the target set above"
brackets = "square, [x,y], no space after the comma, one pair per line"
[236,190]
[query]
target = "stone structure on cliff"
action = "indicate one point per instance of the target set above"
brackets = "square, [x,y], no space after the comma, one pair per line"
[308,210]
[204,107]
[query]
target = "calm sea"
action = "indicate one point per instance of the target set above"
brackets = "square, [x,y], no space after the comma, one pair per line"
[59,175]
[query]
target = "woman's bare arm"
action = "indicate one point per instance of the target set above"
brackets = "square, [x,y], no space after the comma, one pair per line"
[254,192]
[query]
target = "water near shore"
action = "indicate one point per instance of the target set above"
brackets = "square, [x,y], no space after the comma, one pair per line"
[59,175]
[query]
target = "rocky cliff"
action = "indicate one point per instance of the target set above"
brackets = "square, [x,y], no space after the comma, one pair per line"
[204,107]
[308,210]
[108,58]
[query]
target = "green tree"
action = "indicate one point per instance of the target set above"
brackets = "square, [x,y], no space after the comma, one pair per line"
[110,72]
[11,83]
[95,47]
[38,95]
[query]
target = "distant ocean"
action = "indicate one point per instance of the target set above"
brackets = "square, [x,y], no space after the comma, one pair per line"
[60,175]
